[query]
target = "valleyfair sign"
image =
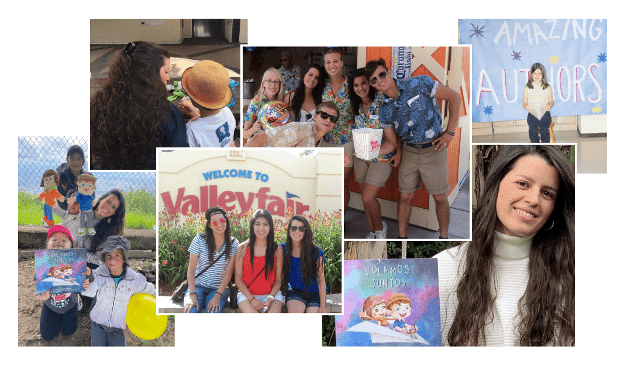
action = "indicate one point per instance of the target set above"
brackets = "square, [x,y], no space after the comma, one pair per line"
[213,194]
[573,52]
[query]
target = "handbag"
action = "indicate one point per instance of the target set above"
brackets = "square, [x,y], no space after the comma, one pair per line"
[178,293]
[234,290]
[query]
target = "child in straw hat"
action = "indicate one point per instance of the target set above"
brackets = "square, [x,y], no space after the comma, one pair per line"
[208,85]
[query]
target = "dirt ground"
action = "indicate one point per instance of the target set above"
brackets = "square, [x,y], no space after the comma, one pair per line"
[29,312]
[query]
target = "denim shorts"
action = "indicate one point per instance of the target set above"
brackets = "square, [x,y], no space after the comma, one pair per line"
[310,299]
[263,298]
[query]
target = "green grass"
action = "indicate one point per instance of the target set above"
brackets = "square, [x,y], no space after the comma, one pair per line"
[140,209]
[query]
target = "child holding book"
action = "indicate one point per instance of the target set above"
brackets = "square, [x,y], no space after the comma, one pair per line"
[114,284]
[537,98]
[59,312]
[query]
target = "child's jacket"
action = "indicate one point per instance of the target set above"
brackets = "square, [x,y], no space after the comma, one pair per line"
[112,301]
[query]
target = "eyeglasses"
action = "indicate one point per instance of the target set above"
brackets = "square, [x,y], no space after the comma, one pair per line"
[382,75]
[275,82]
[216,222]
[284,59]
[294,228]
[325,115]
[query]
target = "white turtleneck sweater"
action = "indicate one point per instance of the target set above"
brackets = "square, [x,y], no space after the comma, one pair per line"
[511,260]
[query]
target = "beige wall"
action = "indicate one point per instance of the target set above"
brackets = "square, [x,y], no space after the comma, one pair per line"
[116,31]
[314,180]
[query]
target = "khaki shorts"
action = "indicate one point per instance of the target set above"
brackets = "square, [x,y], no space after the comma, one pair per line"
[375,173]
[349,149]
[423,165]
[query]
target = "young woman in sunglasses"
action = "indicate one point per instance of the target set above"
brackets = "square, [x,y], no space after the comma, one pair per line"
[303,134]
[372,174]
[303,277]
[214,247]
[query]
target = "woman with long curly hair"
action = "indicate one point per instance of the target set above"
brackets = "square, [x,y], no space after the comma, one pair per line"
[214,247]
[303,277]
[307,96]
[259,267]
[130,115]
[514,283]
[109,218]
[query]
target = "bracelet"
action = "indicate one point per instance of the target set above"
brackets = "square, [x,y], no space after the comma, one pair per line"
[449,132]
[220,294]
[192,292]
[271,297]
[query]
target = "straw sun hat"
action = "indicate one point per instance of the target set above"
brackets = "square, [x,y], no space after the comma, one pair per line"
[208,84]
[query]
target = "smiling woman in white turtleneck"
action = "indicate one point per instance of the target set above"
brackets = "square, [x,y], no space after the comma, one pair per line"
[514,283]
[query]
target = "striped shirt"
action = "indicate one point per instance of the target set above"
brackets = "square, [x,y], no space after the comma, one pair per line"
[212,277]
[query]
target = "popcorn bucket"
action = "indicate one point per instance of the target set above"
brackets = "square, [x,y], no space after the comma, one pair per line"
[367,142]
[274,114]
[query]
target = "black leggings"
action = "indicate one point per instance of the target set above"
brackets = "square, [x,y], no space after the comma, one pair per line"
[52,323]
[538,128]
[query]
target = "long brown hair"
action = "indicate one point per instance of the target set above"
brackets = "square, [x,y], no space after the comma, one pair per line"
[127,112]
[209,236]
[547,306]
[308,257]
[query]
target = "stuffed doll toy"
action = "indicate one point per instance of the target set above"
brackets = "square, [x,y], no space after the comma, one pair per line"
[49,181]
[86,187]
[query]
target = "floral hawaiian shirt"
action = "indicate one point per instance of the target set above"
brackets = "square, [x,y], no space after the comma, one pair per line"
[290,78]
[370,120]
[342,133]
[254,108]
[415,113]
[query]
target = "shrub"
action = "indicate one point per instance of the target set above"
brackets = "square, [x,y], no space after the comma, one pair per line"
[176,232]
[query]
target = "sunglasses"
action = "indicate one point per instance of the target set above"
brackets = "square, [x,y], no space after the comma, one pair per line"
[325,115]
[294,228]
[216,222]
[284,59]
[382,75]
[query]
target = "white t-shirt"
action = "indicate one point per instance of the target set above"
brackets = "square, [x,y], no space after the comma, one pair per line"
[212,131]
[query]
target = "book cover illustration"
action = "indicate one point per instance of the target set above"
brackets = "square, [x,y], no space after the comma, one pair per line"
[392,302]
[60,270]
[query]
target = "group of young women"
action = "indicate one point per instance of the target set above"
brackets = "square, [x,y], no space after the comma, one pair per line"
[266,274]
[358,105]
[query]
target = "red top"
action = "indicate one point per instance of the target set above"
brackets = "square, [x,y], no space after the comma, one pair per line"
[262,285]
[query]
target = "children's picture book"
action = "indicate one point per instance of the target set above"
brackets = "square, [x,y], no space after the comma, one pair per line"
[391,302]
[60,270]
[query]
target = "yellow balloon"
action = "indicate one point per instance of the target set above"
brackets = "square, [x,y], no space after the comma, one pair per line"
[142,319]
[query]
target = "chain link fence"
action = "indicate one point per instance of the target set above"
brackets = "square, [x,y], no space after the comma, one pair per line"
[36,154]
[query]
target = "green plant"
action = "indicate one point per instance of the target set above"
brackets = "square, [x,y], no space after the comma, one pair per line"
[328,335]
[427,249]
[140,209]
[176,233]
[394,249]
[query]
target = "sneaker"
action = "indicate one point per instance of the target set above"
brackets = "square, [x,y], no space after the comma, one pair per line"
[371,235]
[381,234]
[79,303]
[91,231]
[45,223]
[81,231]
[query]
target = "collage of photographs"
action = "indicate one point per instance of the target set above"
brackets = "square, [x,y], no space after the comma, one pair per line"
[410,196]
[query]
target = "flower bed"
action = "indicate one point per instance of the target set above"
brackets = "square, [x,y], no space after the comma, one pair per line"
[176,232]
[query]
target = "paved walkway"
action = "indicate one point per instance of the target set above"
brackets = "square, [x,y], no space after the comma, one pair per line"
[333,304]
[356,226]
